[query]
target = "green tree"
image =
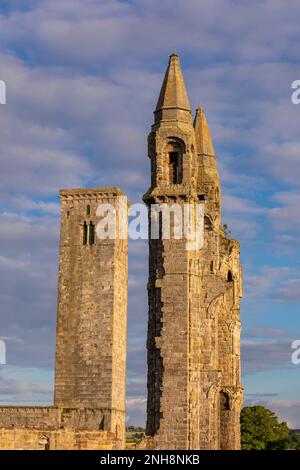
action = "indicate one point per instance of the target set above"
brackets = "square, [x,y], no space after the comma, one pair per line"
[294,439]
[261,430]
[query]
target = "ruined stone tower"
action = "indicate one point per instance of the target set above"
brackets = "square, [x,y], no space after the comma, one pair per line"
[92,302]
[194,389]
[89,398]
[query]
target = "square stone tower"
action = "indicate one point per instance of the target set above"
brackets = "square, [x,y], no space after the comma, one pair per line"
[89,399]
[194,390]
[92,307]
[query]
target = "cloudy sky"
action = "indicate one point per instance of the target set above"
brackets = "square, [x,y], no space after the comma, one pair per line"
[82,82]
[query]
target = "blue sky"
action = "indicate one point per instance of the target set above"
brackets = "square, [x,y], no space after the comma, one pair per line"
[82,82]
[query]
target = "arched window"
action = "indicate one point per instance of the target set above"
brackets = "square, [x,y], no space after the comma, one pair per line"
[88,209]
[229,276]
[91,233]
[225,428]
[174,153]
[85,229]
[224,401]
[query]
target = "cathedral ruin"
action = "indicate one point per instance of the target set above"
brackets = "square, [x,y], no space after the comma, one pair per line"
[194,389]
[193,341]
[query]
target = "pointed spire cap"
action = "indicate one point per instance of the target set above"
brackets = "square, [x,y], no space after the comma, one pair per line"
[202,134]
[173,102]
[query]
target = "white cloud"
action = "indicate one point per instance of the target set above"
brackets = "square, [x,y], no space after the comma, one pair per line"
[268,280]
[27,204]
[287,410]
[19,385]
[260,356]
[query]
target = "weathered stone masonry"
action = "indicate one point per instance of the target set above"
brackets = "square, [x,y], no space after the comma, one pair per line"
[92,303]
[89,397]
[53,428]
[194,390]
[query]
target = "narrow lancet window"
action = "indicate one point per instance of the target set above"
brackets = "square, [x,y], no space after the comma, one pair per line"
[85,229]
[160,226]
[91,233]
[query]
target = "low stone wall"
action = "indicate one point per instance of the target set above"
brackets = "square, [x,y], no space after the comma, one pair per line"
[24,439]
[54,428]
[54,418]
[29,417]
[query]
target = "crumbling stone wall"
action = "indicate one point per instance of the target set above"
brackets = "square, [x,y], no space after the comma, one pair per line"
[53,418]
[194,390]
[50,428]
[45,439]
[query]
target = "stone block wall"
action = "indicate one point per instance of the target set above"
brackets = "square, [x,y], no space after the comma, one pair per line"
[89,398]
[39,428]
[45,439]
[92,307]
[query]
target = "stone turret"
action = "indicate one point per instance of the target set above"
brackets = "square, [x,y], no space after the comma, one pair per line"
[173,102]
[194,391]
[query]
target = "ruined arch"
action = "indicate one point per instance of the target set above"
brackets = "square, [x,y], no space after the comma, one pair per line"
[224,417]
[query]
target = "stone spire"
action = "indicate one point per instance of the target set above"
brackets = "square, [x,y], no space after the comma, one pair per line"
[202,134]
[208,167]
[173,102]
[194,390]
